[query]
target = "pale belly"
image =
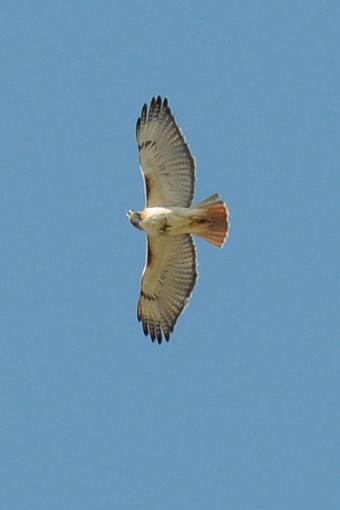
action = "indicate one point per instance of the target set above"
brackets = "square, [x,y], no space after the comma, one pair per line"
[163,220]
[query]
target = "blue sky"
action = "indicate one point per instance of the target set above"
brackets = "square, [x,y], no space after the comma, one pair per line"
[241,409]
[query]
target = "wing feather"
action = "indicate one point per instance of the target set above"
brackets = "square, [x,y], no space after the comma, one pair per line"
[166,161]
[168,279]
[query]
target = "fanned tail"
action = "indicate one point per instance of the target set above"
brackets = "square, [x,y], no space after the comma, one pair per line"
[211,220]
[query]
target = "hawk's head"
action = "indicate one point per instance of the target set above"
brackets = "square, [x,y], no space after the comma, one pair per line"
[134,218]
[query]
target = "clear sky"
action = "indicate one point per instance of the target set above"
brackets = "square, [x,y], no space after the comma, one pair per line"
[241,409]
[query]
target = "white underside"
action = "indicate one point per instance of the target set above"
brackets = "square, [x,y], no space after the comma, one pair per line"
[173,221]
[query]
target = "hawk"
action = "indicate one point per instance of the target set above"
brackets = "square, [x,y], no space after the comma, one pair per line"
[169,220]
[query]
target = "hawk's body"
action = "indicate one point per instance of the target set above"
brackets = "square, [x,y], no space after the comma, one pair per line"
[169,219]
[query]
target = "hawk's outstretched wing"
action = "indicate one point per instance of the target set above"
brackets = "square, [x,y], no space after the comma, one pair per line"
[165,158]
[168,279]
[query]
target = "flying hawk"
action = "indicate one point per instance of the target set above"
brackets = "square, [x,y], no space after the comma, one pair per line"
[169,220]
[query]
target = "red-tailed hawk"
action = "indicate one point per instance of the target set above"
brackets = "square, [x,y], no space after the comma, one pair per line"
[169,220]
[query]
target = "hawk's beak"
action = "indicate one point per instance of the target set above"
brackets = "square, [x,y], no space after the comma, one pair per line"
[128,213]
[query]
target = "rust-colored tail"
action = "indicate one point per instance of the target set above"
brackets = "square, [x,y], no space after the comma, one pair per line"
[212,220]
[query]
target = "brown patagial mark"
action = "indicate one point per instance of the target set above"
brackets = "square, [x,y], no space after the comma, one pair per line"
[150,256]
[148,184]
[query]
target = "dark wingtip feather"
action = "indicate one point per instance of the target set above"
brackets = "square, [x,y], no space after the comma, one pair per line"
[166,106]
[138,125]
[152,331]
[144,111]
[145,328]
